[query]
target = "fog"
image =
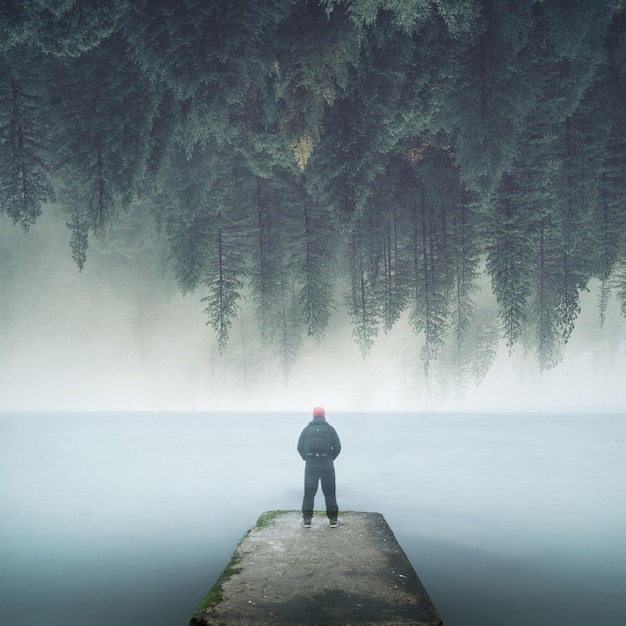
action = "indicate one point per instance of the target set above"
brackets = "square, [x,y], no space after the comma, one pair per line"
[214,217]
[405,209]
[108,518]
[120,336]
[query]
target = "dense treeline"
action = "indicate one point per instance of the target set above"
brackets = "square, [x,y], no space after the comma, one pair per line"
[366,154]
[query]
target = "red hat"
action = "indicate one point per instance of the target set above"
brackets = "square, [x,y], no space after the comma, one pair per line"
[318,411]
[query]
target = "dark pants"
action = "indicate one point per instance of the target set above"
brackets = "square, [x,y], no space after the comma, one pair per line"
[316,471]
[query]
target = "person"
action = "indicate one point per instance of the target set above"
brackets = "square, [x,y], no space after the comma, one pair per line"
[319,446]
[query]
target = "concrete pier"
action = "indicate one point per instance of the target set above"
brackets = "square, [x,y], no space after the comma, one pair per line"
[282,573]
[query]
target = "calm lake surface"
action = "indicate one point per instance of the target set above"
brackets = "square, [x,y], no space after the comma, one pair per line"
[128,518]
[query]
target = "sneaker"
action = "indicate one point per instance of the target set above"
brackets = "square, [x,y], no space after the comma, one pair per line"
[334,523]
[306,523]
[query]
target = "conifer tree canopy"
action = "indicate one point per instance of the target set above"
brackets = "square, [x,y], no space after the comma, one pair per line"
[363,156]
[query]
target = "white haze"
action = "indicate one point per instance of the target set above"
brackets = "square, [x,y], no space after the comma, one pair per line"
[128,518]
[110,339]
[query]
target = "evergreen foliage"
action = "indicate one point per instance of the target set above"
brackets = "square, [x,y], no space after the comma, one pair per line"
[24,135]
[371,156]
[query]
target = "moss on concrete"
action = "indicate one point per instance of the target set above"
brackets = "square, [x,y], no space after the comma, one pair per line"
[214,596]
[268,517]
[282,574]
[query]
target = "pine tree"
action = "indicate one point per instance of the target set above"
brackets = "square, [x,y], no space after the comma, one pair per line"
[315,259]
[315,59]
[371,148]
[610,218]
[204,210]
[207,53]
[429,307]
[183,210]
[394,269]
[509,257]
[102,135]
[495,86]
[67,28]
[409,15]
[362,297]
[274,265]
[24,136]
[546,337]
[223,278]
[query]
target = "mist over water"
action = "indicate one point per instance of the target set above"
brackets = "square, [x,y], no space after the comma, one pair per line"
[120,336]
[124,517]
[263,207]
[433,188]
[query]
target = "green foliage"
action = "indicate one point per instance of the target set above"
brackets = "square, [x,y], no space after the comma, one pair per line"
[360,155]
[266,518]
[362,300]
[24,135]
[61,28]
[509,257]
[458,17]
[315,59]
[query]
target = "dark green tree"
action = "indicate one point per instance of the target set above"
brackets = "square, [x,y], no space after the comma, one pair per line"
[545,335]
[79,237]
[208,54]
[223,278]
[103,126]
[620,285]
[371,150]
[316,55]
[24,137]
[429,305]
[575,196]
[362,294]
[609,224]
[60,28]
[392,217]
[494,88]
[205,211]
[509,257]
[225,271]
[274,265]
[410,15]
[315,260]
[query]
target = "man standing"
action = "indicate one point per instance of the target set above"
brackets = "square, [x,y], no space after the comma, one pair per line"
[319,446]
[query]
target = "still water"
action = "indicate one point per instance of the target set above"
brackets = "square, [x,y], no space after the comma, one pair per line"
[128,518]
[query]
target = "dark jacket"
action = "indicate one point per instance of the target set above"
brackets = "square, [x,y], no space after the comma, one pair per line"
[335,444]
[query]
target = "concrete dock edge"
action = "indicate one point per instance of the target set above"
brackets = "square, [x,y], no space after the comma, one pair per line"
[282,573]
